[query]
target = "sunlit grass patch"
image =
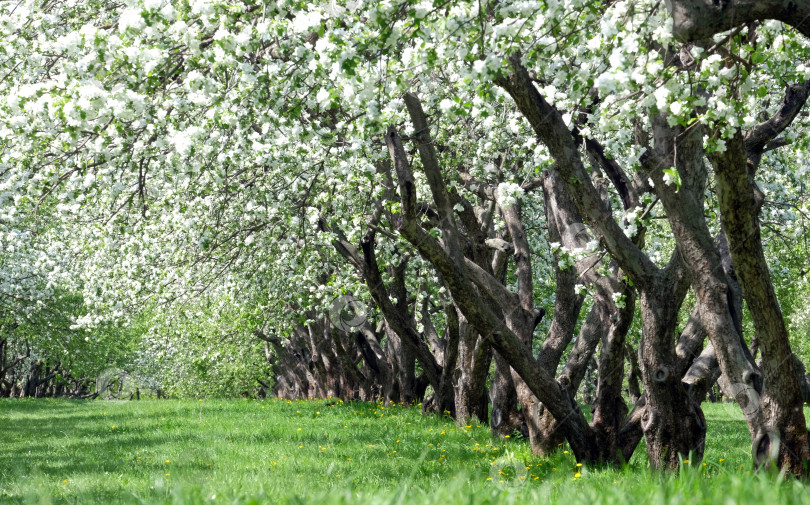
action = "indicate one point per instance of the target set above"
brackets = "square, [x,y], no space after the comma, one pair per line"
[273,451]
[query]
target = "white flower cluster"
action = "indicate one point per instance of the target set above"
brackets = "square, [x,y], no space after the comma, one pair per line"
[199,131]
[619,299]
[569,257]
[509,193]
[631,220]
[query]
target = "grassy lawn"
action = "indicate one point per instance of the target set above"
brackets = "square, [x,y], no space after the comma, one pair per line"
[245,452]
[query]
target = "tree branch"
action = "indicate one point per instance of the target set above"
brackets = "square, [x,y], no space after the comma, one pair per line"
[700,19]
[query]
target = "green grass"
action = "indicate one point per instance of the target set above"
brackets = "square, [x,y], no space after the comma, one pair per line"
[245,452]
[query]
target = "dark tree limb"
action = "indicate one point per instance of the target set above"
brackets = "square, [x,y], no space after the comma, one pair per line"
[450,265]
[700,19]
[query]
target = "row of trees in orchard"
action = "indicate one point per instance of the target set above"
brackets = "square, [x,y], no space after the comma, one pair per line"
[470,204]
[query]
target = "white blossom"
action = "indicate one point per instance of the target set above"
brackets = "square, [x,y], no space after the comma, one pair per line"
[509,194]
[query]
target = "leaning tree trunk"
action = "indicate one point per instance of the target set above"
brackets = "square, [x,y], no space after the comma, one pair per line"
[445,395]
[523,320]
[695,20]
[740,202]
[505,415]
[667,400]
[697,247]
[702,371]
[457,275]
[376,359]
[560,217]
[474,359]
[606,321]
[610,410]
[673,424]
[784,433]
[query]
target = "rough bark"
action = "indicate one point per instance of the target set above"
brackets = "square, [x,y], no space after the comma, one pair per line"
[523,322]
[606,319]
[445,395]
[474,359]
[395,313]
[448,260]
[673,424]
[667,400]
[700,19]
[704,369]
[505,417]
[610,409]
[694,242]
[784,422]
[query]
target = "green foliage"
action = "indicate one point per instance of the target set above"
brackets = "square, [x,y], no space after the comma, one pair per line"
[47,333]
[204,348]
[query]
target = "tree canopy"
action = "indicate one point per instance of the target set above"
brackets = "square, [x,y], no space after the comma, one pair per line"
[479,205]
